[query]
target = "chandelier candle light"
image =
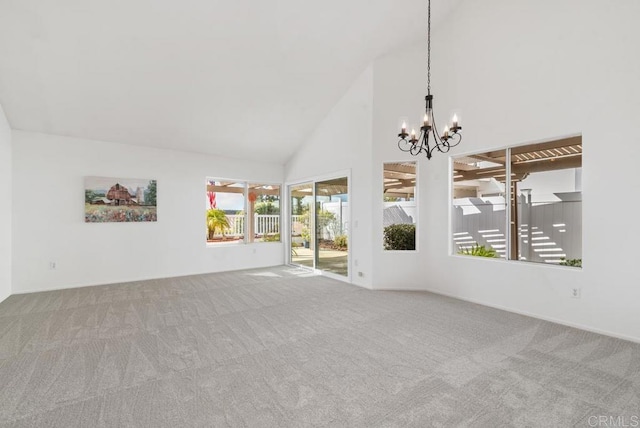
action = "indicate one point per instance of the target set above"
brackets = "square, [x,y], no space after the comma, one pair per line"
[450,137]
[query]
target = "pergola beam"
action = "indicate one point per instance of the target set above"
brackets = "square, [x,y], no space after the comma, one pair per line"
[405,169]
[521,168]
[499,158]
[257,191]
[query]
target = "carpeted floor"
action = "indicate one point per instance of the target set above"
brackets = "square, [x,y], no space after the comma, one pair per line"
[274,347]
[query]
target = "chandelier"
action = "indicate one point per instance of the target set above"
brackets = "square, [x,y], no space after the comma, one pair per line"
[450,136]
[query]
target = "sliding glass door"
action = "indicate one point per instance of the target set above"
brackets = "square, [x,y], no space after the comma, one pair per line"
[301,209]
[319,225]
[332,201]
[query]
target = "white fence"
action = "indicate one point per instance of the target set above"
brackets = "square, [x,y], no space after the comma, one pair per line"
[336,222]
[333,218]
[263,224]
[298,223]
[302,219]
[547,232]
[236,225]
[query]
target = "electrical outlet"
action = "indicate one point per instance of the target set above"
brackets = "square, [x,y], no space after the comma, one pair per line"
[52,265]
[360,274]
[575,292]
[355,262]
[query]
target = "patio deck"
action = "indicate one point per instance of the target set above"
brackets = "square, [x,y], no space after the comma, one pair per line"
[330,260]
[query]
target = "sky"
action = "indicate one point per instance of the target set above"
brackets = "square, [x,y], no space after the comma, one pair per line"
[105,183]
[229,201]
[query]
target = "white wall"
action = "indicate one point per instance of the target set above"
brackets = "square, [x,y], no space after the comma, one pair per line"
[520,71]
[526,71]
[5,206]
[343,142]
[48,212]
[399,86]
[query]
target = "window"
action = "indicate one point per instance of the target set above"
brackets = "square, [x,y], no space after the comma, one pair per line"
[400,209]
[534,216]
[547,208]
[264,209]
[479,204]
[226,218]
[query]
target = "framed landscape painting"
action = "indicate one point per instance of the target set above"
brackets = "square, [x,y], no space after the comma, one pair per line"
[119,200]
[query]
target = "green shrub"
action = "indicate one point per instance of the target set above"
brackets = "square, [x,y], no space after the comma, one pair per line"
[216,221]
[341,242]
[478,251]
[271,237]
[571,262]
[305,234]
[400,237]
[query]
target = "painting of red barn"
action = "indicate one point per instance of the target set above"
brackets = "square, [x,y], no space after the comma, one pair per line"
[119,200]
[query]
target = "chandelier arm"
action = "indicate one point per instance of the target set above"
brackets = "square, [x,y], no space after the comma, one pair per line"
[440,144]
[418,148]
[404,145]
[437,140]
[428,149]
[457,137]
[421,143]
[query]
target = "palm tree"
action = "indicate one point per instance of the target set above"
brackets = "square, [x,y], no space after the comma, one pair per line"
[216,220]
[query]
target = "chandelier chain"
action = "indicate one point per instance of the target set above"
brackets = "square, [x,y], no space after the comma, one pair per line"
[429,49]
[428,140]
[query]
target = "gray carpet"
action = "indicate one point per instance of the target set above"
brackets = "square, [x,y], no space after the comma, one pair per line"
[273,347]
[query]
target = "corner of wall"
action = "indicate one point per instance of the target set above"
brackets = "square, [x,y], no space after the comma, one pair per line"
[343,141]
[6,172]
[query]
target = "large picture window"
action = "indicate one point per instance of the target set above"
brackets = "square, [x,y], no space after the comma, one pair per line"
[241,212]
[521,203]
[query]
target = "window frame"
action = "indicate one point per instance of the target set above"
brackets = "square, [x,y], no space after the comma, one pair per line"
[245,209]
[250,216]
[508,203]
[417,215]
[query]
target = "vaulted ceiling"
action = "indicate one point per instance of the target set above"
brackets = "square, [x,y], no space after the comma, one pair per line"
[241,78]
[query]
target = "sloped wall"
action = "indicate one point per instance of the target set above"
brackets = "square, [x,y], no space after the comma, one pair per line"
[5,207]
[343,142]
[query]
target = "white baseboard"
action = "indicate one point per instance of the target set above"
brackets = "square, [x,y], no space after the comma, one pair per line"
[124,281]
[525,313]
[479,302]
